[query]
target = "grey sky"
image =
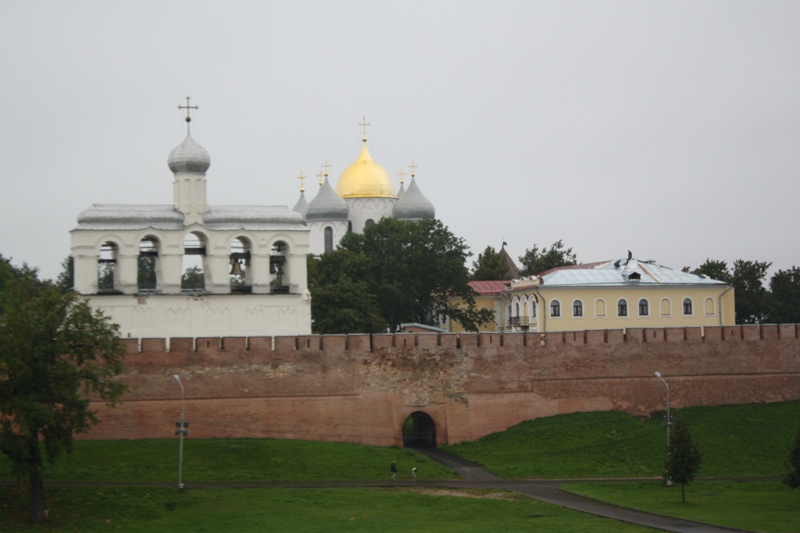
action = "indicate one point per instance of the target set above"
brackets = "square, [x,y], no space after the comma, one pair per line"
[668,128]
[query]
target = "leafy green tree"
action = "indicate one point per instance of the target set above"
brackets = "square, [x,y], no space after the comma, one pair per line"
[66,278]
[784,297]
[193,278]
[792,475]
[146,272]
[341,299]
[684,456]
[713,269]
[54,353]
[535,261]
[751,296]
[412,269]
[489,266]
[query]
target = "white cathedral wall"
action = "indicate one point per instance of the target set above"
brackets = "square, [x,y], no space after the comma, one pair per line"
[363,209]
[317,234]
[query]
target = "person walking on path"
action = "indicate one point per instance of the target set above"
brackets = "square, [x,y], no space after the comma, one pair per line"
[394,470]
[414,472]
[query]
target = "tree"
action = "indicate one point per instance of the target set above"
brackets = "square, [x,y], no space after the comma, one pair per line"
[713,269]
[792,475]
[55,352]
[683,455]
[341,299]
[411,270]
[66,278]
[751,296]
[489,266]
[784,297]
[193,278]
[535,261]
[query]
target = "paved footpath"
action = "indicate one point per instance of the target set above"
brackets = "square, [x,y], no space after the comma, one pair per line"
[549,492]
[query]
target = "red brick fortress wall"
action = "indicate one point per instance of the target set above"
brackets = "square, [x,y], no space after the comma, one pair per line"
[359,388]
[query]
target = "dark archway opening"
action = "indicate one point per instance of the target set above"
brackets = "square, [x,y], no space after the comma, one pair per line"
[419,431]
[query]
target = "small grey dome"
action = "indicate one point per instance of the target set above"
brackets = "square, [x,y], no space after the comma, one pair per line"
[413,205]
[327,205]
[300,206]
[189,157]
[401,191]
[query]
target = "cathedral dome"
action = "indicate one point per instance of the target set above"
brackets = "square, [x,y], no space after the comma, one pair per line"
[365,179]
[413,205]
[327,205]
[189,157]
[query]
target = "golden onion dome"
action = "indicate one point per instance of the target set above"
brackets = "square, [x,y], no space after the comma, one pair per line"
[364,179]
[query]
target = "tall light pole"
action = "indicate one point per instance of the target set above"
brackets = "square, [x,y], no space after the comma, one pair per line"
[669,420]
[181,431]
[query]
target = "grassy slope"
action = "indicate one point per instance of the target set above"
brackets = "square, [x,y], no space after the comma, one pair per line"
[306,510]
[749,439]
[234,460]
[770,507]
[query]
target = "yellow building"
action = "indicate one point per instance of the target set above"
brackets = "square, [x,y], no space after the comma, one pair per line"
[606,295]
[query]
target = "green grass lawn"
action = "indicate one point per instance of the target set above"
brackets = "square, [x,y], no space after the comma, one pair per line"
[234,460]
[751,439]
[758,506]
[306,510]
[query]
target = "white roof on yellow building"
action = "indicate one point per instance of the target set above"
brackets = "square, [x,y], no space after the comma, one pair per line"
[622,272]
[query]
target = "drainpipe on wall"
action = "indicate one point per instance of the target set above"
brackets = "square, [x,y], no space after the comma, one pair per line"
[542,310]
[720,303]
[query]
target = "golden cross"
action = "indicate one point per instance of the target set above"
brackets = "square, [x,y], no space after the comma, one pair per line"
[187,107]
[301,177]
[402,175]
[413,167]
[325,167]
[364,125]
[319,176]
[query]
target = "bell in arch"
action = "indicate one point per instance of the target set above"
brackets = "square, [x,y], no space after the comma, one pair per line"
[236,268]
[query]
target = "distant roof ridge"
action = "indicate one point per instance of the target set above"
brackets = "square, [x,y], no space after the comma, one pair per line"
[487,287]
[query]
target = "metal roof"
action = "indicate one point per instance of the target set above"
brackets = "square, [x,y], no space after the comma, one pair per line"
[166,217]
[618,273]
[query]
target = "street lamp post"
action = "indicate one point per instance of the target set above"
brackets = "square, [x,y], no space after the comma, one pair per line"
[669,420]
[181,431]
[667,479]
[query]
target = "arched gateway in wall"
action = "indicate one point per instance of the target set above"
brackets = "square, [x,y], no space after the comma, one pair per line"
[419,431]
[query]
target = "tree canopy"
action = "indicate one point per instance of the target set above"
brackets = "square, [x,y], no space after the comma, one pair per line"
[397,271]
[783,305]
[55,352]
[489,266]
[535,261]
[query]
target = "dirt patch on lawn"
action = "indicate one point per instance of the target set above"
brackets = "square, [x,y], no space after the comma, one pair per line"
[464,493]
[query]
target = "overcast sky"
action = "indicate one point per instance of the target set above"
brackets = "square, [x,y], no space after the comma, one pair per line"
[668,128]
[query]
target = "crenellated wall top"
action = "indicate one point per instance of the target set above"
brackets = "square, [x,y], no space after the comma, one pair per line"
[365,343]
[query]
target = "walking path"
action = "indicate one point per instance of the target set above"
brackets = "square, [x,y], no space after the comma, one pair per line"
[549,492]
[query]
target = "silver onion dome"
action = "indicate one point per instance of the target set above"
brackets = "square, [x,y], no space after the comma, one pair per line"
[189,157]
[327,205]
[413,205]
[300,206]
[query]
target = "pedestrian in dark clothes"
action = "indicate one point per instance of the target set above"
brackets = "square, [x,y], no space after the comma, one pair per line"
[394,470]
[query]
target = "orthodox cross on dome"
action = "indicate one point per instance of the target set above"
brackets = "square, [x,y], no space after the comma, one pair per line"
[188,107]
[325,167]
[364,125]
[402,175]
[301,177]
[320,174]
[413,167]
